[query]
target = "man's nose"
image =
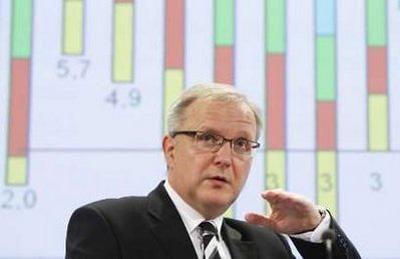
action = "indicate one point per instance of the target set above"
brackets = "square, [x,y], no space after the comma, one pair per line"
[223,156]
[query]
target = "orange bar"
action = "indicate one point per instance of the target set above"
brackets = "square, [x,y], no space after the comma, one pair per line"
[326,125]
[275,80]
[377,70]
[19,107]
[224,65]
[174,33]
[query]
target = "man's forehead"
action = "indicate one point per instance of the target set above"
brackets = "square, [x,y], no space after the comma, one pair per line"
[215,105]
[205,114]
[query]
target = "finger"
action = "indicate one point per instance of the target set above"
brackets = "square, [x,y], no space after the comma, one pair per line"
[258,219]
[273,195]
[280,196]
[280,202]
[283,201]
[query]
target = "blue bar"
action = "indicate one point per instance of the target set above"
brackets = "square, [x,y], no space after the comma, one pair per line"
[325,12]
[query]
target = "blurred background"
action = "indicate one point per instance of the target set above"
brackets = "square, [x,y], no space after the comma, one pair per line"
[85,86]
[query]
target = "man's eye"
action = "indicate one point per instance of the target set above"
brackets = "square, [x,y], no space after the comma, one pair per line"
[207,137]
[242,143]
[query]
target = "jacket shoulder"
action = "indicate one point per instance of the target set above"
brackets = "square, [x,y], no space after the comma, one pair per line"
[118,212]
[118,205]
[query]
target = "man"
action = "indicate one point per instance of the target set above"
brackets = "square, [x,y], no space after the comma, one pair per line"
[212,133]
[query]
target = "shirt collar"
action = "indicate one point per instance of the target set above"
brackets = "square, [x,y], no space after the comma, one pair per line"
[190,217]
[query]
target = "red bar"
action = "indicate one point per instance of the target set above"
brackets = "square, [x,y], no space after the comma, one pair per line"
[326,125]
[275,80]
[19,107]
[174,33]
[377,70]
[224,65]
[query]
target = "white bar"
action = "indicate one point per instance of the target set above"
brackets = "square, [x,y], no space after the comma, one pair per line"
[351,76]
[302,178]
[199,40]
[300,91]
[249,52]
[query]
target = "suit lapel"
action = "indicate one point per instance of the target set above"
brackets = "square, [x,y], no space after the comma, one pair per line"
[167,225]
[238,248]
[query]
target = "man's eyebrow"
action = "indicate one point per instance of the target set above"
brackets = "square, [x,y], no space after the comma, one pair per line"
[210,130]
[241,134]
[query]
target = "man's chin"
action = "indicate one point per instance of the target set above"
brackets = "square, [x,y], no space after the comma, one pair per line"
[219,202]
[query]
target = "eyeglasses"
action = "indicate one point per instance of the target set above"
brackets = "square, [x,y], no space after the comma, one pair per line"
[212,142]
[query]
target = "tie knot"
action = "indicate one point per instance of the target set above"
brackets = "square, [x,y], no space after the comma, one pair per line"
[208,231]
[207,228]
[209,235]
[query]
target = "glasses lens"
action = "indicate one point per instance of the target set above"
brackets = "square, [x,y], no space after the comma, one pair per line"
[208,141]
[212,142]
[242,146]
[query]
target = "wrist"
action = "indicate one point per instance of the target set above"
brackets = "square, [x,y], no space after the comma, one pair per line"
[322,212]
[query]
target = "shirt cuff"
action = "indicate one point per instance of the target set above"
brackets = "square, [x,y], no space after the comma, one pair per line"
[315,236]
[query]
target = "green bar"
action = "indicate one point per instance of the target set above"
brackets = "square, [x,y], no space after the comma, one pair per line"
[326,69]
[275,26]
[21,28]
[224,15]
[376,22]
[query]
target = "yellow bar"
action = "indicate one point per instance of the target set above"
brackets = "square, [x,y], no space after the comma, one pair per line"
[378,122]
[275,177]
[230,213]
[173,87]
[16,171]
[327,180]
[123,43]
[275,164]
[73,27]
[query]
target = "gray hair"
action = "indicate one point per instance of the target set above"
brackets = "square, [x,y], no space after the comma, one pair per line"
[213,92]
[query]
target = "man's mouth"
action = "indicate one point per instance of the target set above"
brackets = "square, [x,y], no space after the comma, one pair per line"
[219,179]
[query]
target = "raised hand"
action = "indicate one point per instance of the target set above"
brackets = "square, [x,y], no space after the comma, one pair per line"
[290,213]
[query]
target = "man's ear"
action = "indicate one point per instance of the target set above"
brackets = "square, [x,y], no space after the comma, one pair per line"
[168,149]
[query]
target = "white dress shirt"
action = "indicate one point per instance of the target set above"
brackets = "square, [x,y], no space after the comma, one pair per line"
[191,219]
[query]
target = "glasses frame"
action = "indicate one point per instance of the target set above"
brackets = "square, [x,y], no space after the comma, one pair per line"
[192,133]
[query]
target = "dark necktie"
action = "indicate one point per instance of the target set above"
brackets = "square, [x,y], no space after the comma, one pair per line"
[210,240]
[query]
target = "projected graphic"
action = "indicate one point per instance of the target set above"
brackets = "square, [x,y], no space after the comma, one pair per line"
[73,38]
[20,73]
[326,89]
[123,41]
[85,87]
[376,39]
[224,35]
[174,52]
[275,135]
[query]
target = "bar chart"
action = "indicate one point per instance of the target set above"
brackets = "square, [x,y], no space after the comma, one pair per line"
[85,88]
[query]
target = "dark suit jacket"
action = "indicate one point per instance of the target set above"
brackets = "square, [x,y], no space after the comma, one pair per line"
[150,227]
